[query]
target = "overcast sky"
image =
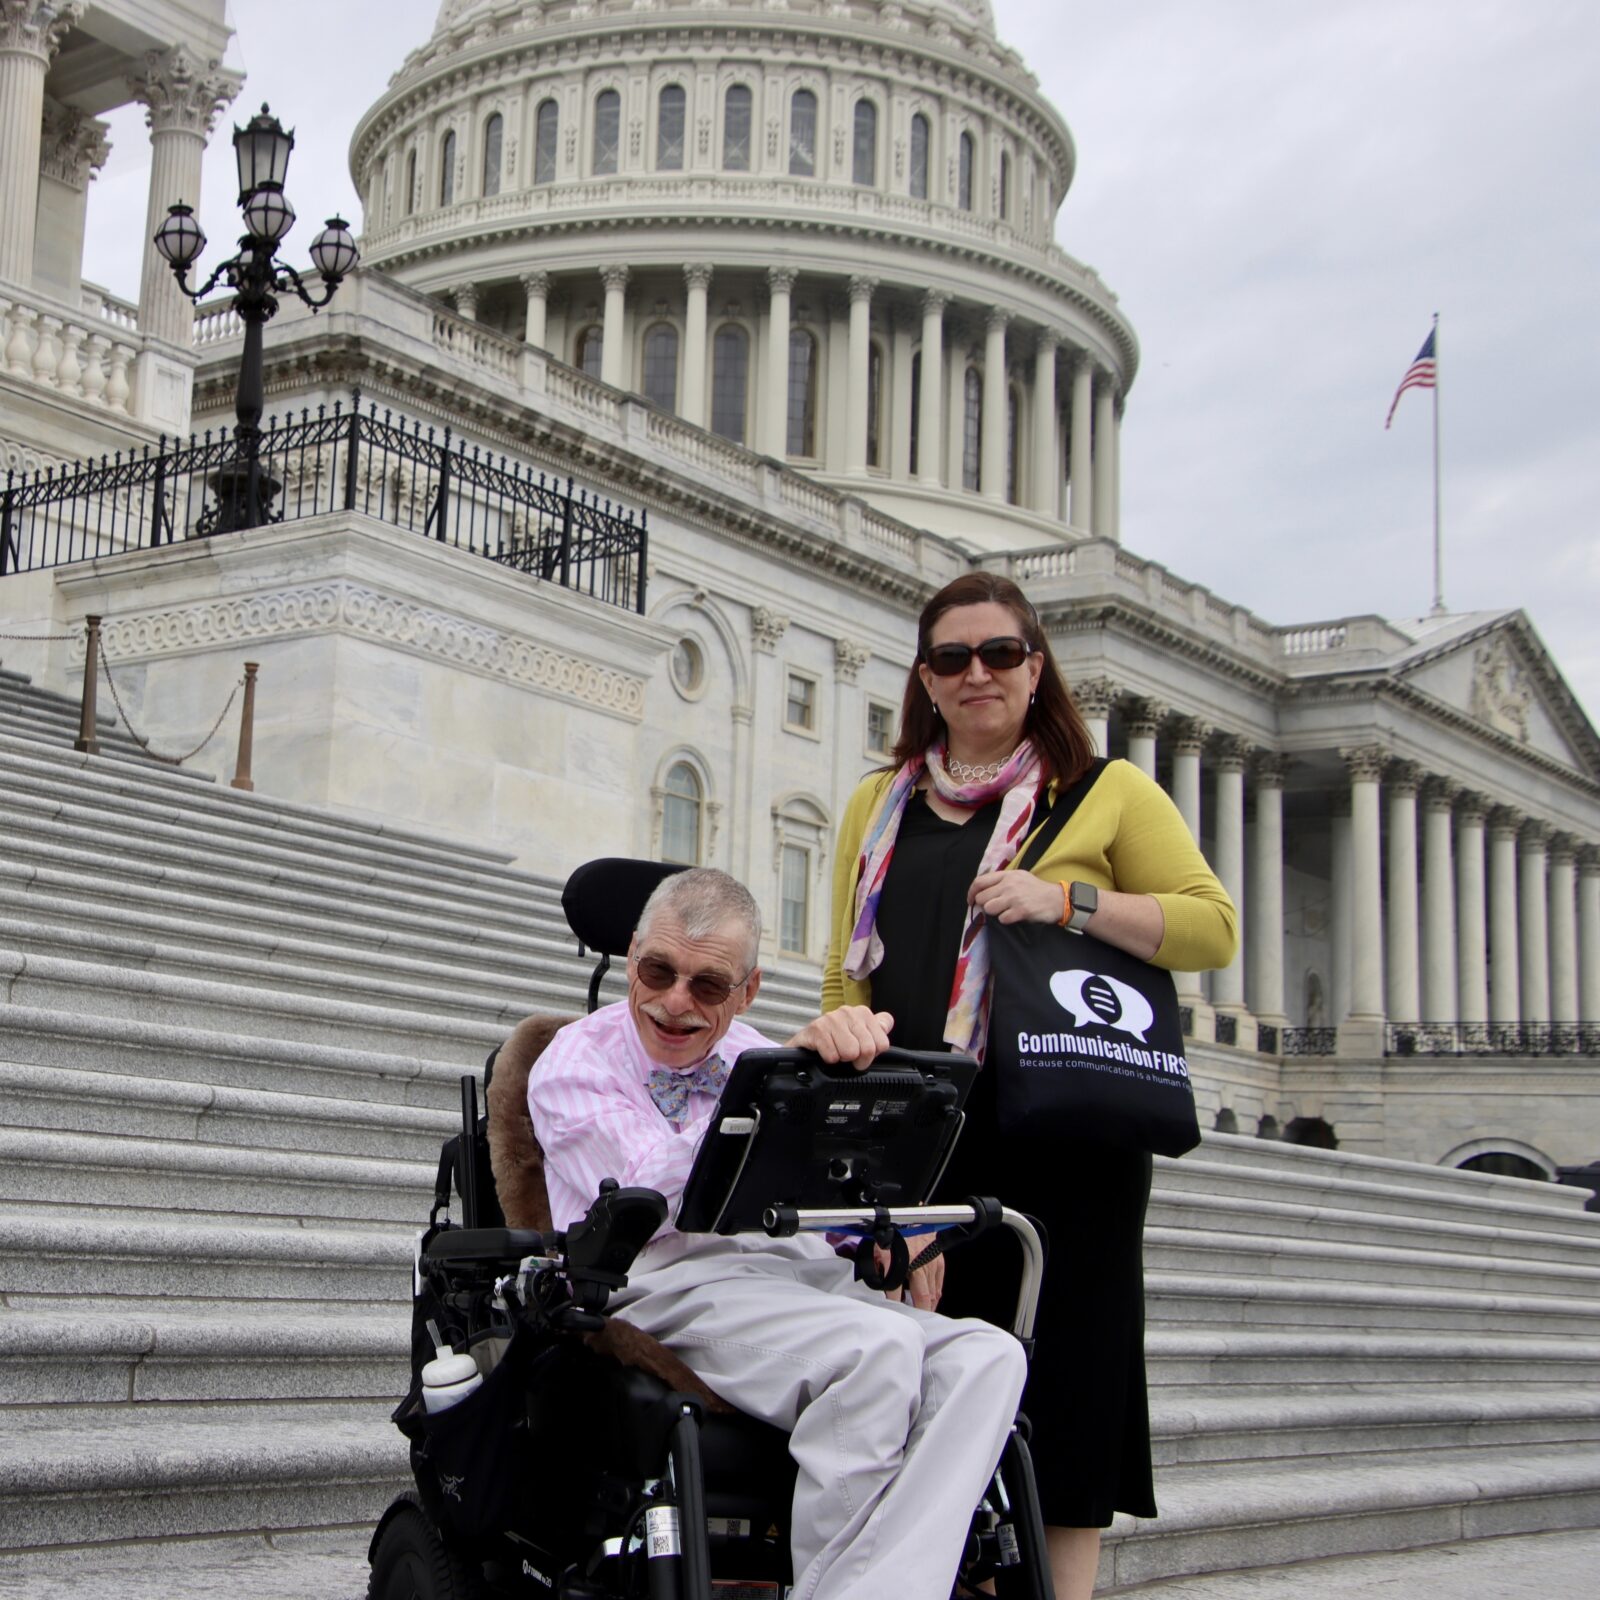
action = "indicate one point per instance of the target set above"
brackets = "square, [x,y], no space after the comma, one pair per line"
[1282,193]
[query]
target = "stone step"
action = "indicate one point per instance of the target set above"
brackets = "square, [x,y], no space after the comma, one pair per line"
[23,720]
[45,1262]
[90,1475]
[113,1103]
[1220,1519]
[102,1174]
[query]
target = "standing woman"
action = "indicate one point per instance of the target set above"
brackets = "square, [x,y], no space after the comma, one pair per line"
[988,737]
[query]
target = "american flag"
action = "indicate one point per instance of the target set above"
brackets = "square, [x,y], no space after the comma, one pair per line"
[1423,373]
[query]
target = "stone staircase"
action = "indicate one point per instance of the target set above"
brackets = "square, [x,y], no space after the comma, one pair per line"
[229,1049]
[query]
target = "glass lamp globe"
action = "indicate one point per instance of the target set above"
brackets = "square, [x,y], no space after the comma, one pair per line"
[261,151]
[180,239]
[334,249]
[268,215]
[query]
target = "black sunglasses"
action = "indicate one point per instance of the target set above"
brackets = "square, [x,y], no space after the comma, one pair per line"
[706,987]
[998,655]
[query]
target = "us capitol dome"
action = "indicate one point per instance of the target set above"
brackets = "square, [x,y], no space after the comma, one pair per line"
[821,230]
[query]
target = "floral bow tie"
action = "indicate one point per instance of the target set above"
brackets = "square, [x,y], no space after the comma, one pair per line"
[670,1090]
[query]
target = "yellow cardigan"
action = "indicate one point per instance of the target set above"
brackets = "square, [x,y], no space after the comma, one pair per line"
[1126,834]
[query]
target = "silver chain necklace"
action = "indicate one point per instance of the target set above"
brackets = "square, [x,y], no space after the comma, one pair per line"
[964,772]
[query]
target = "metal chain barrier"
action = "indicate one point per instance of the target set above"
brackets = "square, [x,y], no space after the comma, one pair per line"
[143,743]
[40,638]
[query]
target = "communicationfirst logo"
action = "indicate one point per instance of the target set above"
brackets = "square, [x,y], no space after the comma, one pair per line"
[1091,997]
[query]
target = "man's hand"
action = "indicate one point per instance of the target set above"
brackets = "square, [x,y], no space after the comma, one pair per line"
[852,1033]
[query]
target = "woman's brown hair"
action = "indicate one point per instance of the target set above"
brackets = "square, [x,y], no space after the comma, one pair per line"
[1053,723]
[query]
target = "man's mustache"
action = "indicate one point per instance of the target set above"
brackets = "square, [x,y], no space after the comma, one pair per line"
[664,1018]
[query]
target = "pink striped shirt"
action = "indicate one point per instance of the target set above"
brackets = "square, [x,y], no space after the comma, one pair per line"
[595,1119]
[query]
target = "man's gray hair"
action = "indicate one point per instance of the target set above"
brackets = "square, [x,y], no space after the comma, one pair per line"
[703,901]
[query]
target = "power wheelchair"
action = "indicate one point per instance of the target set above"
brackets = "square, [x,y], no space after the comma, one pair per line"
[588,1466]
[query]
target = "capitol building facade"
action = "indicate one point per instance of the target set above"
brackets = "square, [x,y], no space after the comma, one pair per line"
[779,283]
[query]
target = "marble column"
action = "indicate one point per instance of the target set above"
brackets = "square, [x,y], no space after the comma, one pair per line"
[30,33]
[856,382]
[780,281]
[1339,907]
[536,320]
[1533,923]
[1094,698]
[1046,496]
[1113,528]
[613,347]
[1143,721]
[930,402]
[1504,1005]
[996,409]
[697,279]
[1439,994]
[1231,757]
[182,94]
[767,628]
[1472,912]
[1589,934]
[1080,445]
[1404,1000]
[1188,740]
[1365,767]
[1105,428]
[848,731]
[1563,928]
[466,298]
[1265,883]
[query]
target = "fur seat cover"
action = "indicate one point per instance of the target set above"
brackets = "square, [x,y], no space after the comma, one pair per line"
[518,1166]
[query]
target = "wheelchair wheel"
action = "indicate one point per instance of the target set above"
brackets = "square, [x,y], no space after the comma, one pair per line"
[411,1562]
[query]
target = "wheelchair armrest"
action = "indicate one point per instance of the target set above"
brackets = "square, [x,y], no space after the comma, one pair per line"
[505,1246]
[613,1231]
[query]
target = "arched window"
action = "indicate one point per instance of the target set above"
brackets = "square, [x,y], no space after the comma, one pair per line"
[682,802]
[1005,184]
[864,162]
[919,157]
[803,134]
[730,381]
[802,393]
[590,346]
[607,130]
[661,366]
[971,429]
[494,132]
[669,128]
[916,409]
[411,182]
[546,133]
[736,129]
[874,403]
[1013,410]
[447,169]
[964,173]
[801,833]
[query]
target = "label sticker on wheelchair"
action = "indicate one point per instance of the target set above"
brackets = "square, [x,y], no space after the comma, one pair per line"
[1010,1551]
[727,1528]
[661,1532]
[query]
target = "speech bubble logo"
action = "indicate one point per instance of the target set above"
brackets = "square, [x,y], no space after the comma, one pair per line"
[1092,997]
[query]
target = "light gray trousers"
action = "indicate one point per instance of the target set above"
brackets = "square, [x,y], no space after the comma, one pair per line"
[896,1416]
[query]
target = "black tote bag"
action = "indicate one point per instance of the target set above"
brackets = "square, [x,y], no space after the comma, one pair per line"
[1085,1041]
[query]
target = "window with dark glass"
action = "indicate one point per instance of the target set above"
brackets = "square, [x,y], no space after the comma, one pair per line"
[916,409]
[864,161]
[493,138]
[919,157]
[736,129]
[802,440]
[411,182]
[669,128]
[591,342]
[681,804]
[607,131]
[971,429]
[730,381]
[803,134]
[1005,184]
[880,728]
[447,170]
[800,703]
[794,899]
[661,366]
[874,402]
[964,173]
[546,133]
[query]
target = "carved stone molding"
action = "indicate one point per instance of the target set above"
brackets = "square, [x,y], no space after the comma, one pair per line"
[1535,837]
[183,92]
[1500,693]
[38,26]
[1564,848]
[862,288]
[351,608]
[1504,823]
[74,145]
[1589,861]
[1095,696]
[781,280]
[1231,753]
[1189,735]
[697,274]
[1144,718]
[1269,769]
[1366,763]
[934,302]
[1440,794]
[848,659]
[768,628]
[537,284]
[1403,777]
[615,276]
[1474,808]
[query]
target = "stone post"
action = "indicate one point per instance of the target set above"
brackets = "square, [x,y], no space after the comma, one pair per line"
[1046,497]
[613,350]
[1504,1005]
[1533,923]
[1079,448]
[1264,994]
[1563,928]
[466,298]
[182,94]
[1404,1002]
[536,321]
[697,278]
[780,281]
[996,393]
[930,402]
[1439,994]
[1472,914]
[856,386]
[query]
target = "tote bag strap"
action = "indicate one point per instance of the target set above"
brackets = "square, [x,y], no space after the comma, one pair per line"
[1066,802]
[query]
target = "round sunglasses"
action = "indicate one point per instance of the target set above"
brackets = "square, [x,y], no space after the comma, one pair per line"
[706,987]
[998,655]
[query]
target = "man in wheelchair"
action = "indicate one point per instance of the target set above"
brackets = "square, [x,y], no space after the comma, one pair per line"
[896,1416]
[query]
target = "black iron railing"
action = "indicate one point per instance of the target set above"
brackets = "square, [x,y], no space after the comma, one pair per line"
[1492,1039]
[331,459]
[1308,1041]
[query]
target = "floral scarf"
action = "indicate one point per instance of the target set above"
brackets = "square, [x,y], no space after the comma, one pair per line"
[967,1022]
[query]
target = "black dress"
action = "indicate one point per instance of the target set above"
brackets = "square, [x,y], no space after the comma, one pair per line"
[1086,1386]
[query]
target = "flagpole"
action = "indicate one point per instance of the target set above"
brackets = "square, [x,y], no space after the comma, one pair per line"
[1438,531]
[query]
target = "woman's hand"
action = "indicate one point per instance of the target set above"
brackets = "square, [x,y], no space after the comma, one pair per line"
[1016,897]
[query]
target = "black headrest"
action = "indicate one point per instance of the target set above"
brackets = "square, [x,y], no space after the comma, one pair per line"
[603,899]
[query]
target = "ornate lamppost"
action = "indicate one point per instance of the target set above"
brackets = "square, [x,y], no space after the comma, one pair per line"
[261,149]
